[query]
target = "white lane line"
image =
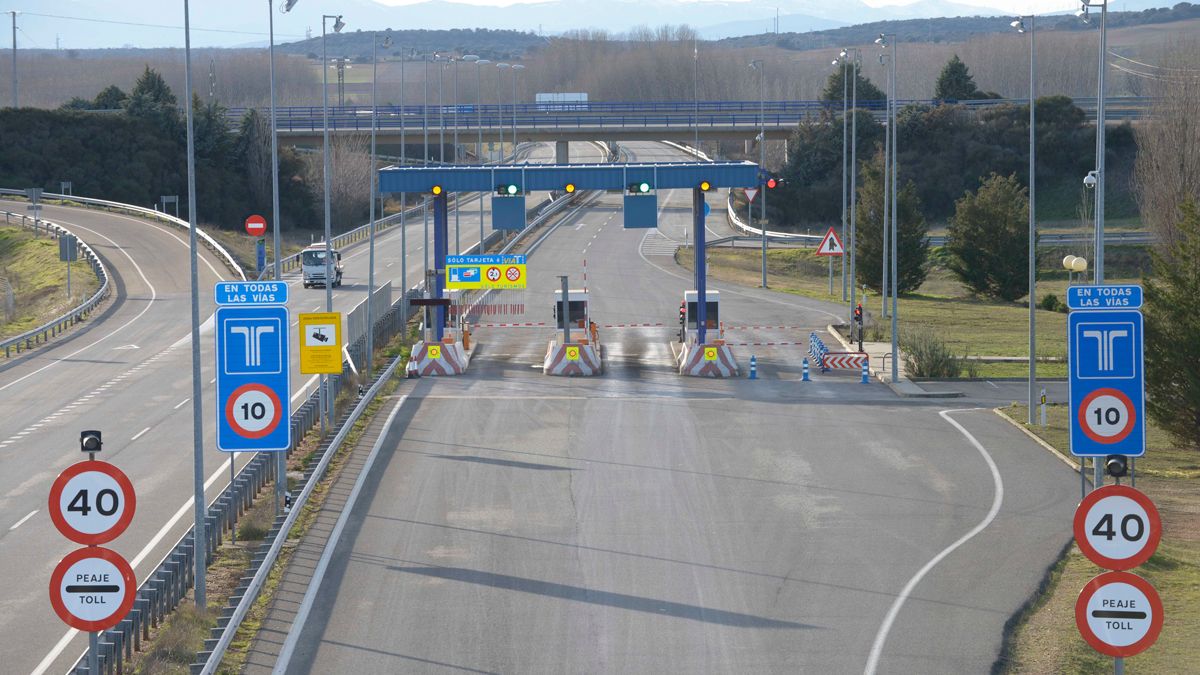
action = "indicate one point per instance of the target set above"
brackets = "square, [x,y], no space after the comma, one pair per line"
[183,510]
[139,434]
[181,403]
[997,499]
[991,383]
[22,521]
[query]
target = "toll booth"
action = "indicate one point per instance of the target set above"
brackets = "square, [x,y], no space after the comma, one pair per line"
[577,306]
[712,306]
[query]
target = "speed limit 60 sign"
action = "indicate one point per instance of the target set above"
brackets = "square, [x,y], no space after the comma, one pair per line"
[1117,527]
[92,502]
[1107,383]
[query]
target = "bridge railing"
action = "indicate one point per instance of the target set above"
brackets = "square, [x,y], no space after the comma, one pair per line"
[58,324]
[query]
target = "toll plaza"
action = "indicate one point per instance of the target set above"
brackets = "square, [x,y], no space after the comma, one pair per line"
[640,181]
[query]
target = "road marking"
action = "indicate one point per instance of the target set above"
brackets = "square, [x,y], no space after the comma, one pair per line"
[22,521]
[212,381]
[181,403]
[997,499]
[991,383]
[140,434]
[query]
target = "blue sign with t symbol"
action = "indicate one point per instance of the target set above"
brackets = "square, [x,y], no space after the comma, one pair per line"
[1107,383]
[253,383]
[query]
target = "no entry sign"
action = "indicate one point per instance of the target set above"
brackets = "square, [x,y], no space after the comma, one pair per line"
[256,226]
[92,589]
[92,502]
[1119,614]
[1117,527]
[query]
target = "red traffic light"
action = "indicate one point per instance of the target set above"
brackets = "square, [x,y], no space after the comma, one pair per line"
[772,183]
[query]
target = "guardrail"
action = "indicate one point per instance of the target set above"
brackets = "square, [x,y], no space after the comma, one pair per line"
[57,325]
[739,224]
[201,235]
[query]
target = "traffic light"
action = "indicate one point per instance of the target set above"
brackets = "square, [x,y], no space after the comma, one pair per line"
[90,441]
[1116,465]
[773,183]
[508,189]
[705,186]
[682,313]
[858,313]
[639,188]
[436,190]
[569,188]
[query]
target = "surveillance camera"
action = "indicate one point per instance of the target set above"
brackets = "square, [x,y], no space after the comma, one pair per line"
[1089,181]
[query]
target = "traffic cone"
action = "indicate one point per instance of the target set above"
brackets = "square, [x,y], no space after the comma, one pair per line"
[804,375]
[866,372]
[753,367]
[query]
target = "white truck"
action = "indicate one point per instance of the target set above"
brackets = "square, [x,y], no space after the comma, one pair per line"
[312,263]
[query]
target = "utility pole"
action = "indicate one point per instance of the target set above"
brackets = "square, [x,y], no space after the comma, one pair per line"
[14,57]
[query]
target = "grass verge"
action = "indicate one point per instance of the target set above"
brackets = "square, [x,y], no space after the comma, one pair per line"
[1045,639]
[30,266]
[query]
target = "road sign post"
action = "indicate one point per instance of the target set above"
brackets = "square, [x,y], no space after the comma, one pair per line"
[253,375]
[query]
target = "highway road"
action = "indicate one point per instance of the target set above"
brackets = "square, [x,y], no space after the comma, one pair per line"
[127,373]
[642,522]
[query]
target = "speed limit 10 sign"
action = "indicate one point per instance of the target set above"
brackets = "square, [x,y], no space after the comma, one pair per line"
[92,502]
[1117,527]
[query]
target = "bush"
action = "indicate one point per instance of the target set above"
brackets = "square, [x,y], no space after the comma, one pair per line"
[926,355]
[1049,302]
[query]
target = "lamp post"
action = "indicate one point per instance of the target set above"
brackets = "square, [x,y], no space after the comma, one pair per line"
[1019,24]
[851,245]
[844,63]
[425,162]
[1098,274]
[387,42]
[454,155]
[199,507]
[281,457]
[500,107]
[757,64]
[696,93]
[472,58]
[338,25]
[885,40]
[403,195]
[515,68]
[14,14]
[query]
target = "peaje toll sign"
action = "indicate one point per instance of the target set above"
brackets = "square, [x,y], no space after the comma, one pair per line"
[92,502]
[1117,527]
[1119,614]
[92,589]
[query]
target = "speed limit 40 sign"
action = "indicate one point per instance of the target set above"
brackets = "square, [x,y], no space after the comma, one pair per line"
[92,502]
[1117,527]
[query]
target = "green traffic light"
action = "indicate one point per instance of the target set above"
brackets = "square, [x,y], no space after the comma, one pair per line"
[644,187]
[512,189]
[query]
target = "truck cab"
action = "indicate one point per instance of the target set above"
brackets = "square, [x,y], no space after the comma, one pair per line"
[312,263]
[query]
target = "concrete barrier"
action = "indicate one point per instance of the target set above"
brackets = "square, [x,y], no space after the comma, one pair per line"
[573,359]
[709,360]
[433,359]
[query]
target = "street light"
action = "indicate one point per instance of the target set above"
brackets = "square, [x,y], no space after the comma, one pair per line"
[1098,275]
[14,14]
[387,42]
[1019,25]
[515,68]
[281,460]
[338,25]
[472,58]
[457,245]
[889,40]
[855,63]
[757,64]
[500,107]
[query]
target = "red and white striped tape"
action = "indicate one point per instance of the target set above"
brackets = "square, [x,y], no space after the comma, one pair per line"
[766,327]
[633,325]
[767,344]
[509,325]
[850,360]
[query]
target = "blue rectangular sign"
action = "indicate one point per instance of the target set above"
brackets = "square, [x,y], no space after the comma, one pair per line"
[1107,383]
[253,379]
[1124,296]
[251,292]
[514,259]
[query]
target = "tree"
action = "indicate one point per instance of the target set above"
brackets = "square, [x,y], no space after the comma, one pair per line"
[912,249]
[1173,330]
[152,101]
[955,83]
[989,239]
[110,98]
[1168,139]
[867,91]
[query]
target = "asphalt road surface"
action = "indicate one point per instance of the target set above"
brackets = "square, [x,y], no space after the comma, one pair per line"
[127,372]
[642,522]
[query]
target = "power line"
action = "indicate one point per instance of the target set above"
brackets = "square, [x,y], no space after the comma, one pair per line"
[1151,65]
[154,25]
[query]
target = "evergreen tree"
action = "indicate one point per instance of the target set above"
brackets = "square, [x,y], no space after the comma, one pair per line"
[912,249]
[989,239]
[152,102]
[955,83]
[111,98]
[1173,331]
[867,91]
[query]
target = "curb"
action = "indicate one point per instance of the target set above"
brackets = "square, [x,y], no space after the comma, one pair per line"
[898,388]
[1037,439]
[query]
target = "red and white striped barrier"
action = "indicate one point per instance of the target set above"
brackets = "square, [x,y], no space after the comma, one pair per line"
[432,359]
[710,360]
[847,360]
[767,344]
[509,325]
[572,359]
[766,327]
[633,325]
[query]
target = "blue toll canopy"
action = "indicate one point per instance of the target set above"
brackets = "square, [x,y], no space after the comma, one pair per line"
[531,177]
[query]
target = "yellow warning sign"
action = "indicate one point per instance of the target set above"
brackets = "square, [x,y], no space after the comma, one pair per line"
[710,353]
[572,353]
[434,352]
[321,343]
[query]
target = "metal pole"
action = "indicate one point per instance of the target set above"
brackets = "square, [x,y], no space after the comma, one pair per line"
[425,162]
[762,164]
[199,546]
[854,185]
[564,311]
[93,652]
[282,459]
[14,57]
[1098,274]
[374,181]
[479,140]
[403,195]
[1032,218]
[457,246]
[500,108]
[887,144]
[441,115]
[895,222]
[845,134]
[696,94]
[327,170]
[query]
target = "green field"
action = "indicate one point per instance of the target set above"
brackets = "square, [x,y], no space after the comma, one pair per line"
[38,280]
